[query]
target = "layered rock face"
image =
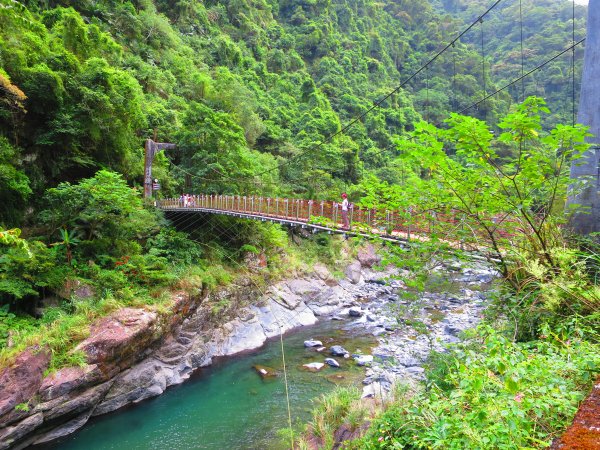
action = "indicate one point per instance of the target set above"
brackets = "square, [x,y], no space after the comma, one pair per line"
[135,354]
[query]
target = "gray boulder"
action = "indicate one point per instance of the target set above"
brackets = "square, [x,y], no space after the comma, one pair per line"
[332,362]
[353,272]
[338,350]
[363,360]
[355,312]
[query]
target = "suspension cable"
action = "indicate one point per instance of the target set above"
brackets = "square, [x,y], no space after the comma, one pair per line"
[558,55]
[483,69]
[522,51]
[454,95]
[573,71]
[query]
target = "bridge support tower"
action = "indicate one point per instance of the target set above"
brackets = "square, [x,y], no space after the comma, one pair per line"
[151,149]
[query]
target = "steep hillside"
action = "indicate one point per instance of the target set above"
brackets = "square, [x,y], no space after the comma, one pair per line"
[250,91]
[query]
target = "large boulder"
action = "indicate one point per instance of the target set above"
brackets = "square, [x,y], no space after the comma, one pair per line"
[367,256]
[353,272]
[120,336]
[70,379]
[20,381]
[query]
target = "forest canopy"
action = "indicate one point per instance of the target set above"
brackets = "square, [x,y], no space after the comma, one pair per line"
[242,87]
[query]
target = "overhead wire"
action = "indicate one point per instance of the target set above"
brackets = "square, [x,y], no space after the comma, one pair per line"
[522,51]
[573,70]
[503,88]
[483,68]
[535,69]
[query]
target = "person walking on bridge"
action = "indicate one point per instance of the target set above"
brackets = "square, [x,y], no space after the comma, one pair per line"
[345,205]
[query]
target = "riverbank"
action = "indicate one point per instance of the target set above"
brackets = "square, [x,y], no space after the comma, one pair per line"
[135,353]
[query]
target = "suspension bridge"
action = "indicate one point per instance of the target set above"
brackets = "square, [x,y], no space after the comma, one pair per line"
[327,216]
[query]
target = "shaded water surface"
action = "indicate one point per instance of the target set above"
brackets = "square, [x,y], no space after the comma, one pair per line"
[228,405]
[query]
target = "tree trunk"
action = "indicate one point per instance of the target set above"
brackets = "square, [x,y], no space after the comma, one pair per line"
[587,220]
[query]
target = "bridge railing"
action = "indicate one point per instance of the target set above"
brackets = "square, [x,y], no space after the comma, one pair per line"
[410,221]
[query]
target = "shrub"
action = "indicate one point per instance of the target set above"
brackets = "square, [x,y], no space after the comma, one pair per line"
[490,392]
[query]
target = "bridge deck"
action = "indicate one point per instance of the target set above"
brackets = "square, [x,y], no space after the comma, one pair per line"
[397,237]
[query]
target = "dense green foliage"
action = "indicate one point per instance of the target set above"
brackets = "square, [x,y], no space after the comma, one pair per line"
[516,385]
[255,95]
[491,393]
[105,250]
[250,92]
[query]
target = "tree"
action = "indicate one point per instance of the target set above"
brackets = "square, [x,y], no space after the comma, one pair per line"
[586,196]
[103,210]
[510,206]
[14,184]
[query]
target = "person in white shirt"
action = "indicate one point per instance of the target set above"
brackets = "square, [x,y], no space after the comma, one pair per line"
[345,206]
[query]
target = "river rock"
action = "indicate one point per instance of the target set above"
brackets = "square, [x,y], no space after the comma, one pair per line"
[324,274]
[240,336]
[338,350]
[264,371]
[68,407]
[355,312]
[64,430]
[314,366]
[275,318]
[20,381]
[69,379]
[353,272]
[363,360]
[332,362]
[313,343]
[453,330]
[374,390]
[171,352]
[367,256]
[10,435]
[144,380]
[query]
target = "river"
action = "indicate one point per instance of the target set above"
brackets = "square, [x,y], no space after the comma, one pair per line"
[228,405]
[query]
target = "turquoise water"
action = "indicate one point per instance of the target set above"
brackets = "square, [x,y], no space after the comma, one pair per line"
[228,405]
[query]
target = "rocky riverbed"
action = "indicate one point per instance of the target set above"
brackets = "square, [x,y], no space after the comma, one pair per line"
[408,326]
[134,354]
